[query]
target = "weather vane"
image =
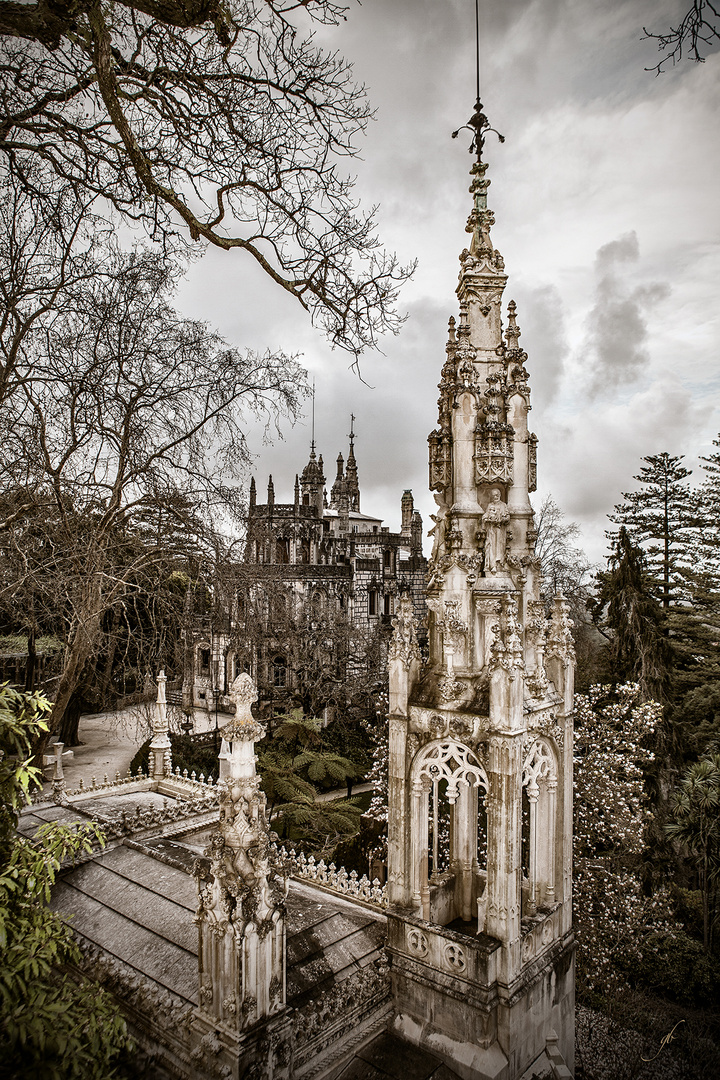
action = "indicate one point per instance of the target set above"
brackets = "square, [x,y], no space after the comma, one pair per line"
[478,122]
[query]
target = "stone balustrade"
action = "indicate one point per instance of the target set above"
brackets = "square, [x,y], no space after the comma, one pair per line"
[334,878]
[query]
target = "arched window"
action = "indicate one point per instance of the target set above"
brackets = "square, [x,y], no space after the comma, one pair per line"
[539,792]
[449,827]
[279,671]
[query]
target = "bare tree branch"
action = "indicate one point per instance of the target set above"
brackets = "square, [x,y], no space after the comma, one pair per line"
[217,120]
[696,33]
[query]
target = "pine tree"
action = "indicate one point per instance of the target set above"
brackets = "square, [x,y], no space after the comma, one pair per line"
[659,517]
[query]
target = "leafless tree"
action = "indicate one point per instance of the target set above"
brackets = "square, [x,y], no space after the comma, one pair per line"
[221,119]
[50,243]
[567,569]
[127,427]
[696,33]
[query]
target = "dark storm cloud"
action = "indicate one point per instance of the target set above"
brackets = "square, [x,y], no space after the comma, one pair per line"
[617,325]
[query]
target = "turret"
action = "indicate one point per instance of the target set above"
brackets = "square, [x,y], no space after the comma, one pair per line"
[312,482]
[480,745]
[338,487]
[406,512]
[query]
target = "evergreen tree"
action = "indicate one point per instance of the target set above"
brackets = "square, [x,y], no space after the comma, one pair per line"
[696,825]
[659,518]
[626,611]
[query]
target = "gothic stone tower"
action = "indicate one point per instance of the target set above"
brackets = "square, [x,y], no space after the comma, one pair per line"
[480,762]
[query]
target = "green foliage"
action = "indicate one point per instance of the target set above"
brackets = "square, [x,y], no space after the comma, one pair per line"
[291,764]
[627,611]
[676,966]
[695,824]
[52,1025]
[658,517]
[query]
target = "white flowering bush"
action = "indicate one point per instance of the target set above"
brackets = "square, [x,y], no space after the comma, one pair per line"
[615,923]
[378,775]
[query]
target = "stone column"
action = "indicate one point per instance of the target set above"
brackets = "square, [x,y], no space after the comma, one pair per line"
[403,665]
[504,823]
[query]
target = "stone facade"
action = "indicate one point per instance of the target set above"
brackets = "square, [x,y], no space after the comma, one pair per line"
[480,737]
[308,564]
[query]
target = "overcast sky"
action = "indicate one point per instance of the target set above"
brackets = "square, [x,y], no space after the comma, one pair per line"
[605,194]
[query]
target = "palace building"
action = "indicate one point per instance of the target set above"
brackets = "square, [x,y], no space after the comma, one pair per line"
[317,590]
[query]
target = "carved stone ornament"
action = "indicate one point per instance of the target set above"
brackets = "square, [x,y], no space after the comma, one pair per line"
[417,942]
[494,454]
[440,443]
[487,607]
[243,725]
[451,761]
[538,763]
[559,636]
[455,957]
[506,650]
[532,462]
[450,688]
[404,644]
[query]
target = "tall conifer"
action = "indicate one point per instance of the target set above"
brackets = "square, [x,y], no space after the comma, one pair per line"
[659,517]
[627,612]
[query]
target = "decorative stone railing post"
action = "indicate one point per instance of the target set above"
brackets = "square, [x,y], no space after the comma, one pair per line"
[241,913]
[160,760]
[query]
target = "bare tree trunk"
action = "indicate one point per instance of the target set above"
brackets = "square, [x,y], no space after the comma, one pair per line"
[79,651]
[68,732]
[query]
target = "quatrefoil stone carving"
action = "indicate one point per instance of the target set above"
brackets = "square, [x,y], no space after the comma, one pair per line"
[417,942]
[455,957]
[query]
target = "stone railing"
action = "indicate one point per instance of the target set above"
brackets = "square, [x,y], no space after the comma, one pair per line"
[156,816]
[59,793]
[335,878]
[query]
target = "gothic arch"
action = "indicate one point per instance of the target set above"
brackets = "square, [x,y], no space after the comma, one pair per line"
[447,759]
[451,761]
[539,779]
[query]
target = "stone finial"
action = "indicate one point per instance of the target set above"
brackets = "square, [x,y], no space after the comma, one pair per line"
[512,332]
[160,760]
[242,891]
[559,637]
[243,727]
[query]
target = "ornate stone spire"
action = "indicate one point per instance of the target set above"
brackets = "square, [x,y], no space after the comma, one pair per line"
[160,759]
[485,725]
[241,911]
[312,481]
[352,485]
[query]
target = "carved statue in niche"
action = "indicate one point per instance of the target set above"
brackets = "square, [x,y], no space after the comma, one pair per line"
[495,521]
[438,530]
